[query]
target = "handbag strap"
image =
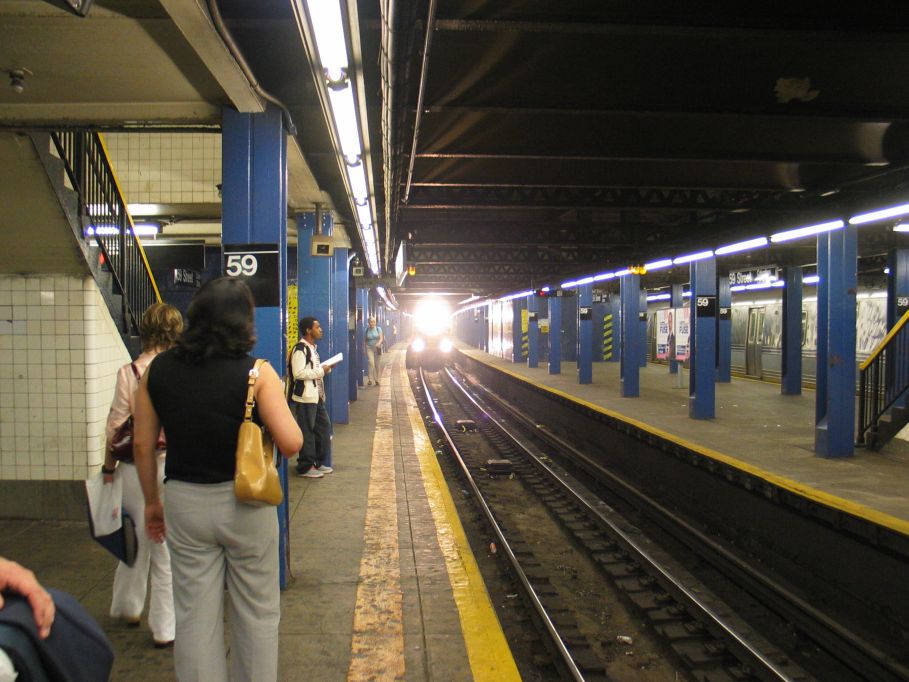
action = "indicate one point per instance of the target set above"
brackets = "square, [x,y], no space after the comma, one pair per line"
[250,399]
[135,371]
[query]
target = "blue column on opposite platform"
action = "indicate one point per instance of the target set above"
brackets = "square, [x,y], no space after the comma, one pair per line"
[599,330]
[555,335]
[362,316]
[569,325]
[724,331]
[835,435]
[631,343]
[676,301]
[254,211]
[642,324]
[791,360]
[340,339]
[820,372]
[615,311]
[702,380]
[897,302]
[533,331]
[517,335]
[585,334]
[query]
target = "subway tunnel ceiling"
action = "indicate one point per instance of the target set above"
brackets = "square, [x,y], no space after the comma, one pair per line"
[564,138]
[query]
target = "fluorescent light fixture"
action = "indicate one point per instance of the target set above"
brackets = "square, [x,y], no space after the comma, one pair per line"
[570,284]
[357,176]
[686,294]
[882,214]
[140,230]
[701,255]
[886,271]
[520,294]
[737,287]
[545,289]
[658,264]
[742,246]
[901,227]
[762,285]
[800,232]
[144,209]
[364,216]
[331,42]
[811,279]
[622,273]
[584,280]
[345,115]
[658,297]
[602,276]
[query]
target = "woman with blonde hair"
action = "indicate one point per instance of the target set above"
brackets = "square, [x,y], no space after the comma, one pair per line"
[160,326]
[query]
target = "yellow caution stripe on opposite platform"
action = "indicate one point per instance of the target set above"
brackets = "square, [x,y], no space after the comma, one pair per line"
[487,649]
[848,506]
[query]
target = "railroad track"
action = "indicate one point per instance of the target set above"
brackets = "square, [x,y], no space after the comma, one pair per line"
[707,635]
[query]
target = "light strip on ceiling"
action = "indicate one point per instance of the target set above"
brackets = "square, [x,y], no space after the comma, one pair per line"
[881,214]
[800,232]
[326,27]
[688,258]
[742,246]
[658,264]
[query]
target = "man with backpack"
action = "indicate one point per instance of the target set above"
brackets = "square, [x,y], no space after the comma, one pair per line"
[307,399]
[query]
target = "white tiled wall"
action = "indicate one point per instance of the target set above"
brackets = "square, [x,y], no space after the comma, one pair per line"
[167,168]
[59,355]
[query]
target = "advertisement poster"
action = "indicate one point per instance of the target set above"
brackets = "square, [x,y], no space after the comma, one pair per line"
[682,332]
[664,319]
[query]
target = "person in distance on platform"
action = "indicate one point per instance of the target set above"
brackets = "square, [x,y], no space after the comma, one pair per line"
[374,341]
[159,328]
[197,391]
[308,400]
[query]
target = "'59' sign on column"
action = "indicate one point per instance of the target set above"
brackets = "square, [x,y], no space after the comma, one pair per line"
[257,265]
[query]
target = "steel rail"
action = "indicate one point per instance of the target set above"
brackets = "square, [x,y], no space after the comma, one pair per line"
[835,639]
[641,554]
[503,545]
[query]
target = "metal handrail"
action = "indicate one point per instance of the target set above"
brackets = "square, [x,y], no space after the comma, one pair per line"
[89,169]
[883,377]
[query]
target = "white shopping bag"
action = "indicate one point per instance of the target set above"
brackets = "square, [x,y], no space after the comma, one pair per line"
[104,504]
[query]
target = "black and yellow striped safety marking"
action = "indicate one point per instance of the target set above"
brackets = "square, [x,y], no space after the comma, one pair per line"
[607,337]
[525,345]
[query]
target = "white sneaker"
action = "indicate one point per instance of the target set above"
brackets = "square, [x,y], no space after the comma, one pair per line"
[312,473]
[324,469]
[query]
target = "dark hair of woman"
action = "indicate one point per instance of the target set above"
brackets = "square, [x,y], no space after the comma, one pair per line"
[160,326]
[221,322]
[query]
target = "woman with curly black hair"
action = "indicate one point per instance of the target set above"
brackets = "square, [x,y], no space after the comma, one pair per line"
[197,391]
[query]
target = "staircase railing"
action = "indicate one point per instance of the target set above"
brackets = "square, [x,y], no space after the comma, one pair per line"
[100,198]
[883,377]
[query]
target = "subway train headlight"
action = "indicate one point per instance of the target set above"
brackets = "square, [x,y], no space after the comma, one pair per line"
[445,345]
[418,345]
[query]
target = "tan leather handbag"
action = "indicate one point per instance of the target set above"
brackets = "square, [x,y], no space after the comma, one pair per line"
[256,480]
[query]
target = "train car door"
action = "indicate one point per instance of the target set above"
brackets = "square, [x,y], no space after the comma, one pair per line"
[754,341]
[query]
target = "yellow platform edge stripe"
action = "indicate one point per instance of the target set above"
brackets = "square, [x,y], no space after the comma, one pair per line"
[856,509]
[488,652]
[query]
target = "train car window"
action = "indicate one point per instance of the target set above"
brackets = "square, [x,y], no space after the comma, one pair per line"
[804,327]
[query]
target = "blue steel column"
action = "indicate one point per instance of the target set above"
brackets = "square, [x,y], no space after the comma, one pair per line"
[820,372]
[676,301]
[340,341]
[642,323]
[254,211]
[615,309]
[362,315]
[585,335]
[724,331]
[897,302]
[517,354]
[791,378]
[599,330]
[631,342]
[533,331]
[702,343]
[835,435]
[555,335]
[569,326]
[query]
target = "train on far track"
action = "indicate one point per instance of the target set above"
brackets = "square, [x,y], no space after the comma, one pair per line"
[430,346]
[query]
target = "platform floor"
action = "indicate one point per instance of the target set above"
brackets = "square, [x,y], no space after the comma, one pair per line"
[761,430]
[384,585]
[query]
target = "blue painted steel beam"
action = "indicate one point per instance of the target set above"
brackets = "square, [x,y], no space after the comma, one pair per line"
[340,339]
[702,342]
[569,337]
[517,336]
[835,434]
[585,334]
[791,379]
[632,347]
[642,325]
[555,335]
[724,331]
[254,211]
[615,309]
[533,331]
[897,303]
[362,315]
[820,373]
[676,301]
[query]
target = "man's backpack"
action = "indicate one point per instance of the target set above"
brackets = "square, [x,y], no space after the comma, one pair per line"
[291,386]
